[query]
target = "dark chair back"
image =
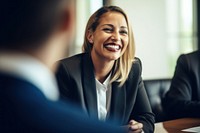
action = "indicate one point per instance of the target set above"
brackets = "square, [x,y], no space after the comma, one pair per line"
[156,89]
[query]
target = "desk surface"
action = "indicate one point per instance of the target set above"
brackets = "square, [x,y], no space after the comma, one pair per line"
[175,126]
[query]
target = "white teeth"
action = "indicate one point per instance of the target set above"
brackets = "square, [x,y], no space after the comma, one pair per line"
[113,46]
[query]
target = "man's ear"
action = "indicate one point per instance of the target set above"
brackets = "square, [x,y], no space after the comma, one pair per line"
[68,19]
[90,36]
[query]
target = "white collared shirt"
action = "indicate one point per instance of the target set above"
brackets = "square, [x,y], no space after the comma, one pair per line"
[102,100]
[31,70]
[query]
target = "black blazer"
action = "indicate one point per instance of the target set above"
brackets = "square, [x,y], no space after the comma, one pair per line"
[183,98]
[76,81]
[25,109]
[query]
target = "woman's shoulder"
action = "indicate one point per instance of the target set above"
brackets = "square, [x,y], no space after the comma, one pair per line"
[137,63]
[136,71]
[73,59]
[72,62]
[136,67]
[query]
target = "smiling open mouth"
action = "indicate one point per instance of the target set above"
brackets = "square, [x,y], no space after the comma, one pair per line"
[112,47]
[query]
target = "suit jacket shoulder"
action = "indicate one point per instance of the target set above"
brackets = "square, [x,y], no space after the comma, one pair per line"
[24,108]
[72,62]
[136,69]
[189,63]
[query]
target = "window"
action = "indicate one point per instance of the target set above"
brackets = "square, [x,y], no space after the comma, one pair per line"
[163,29]
[85,8]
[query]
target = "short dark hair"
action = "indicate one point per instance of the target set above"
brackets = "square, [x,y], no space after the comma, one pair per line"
[25,22]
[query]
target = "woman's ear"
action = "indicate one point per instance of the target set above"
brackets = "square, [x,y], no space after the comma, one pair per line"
[90,36]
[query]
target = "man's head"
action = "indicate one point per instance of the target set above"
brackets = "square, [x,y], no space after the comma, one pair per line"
[27,24]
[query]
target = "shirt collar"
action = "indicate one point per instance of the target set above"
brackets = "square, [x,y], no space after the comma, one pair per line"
[106,84]
[31,70]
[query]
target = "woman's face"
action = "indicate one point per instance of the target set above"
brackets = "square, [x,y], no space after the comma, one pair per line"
[110,39]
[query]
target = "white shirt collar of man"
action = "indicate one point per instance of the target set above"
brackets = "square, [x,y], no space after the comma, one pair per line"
[31,70]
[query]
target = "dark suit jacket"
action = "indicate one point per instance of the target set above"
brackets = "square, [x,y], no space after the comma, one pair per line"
[76,81]
[183,98]
[24,109]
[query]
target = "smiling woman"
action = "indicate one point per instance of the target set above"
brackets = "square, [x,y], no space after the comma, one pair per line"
[112,25]
[105,80]
[109,42]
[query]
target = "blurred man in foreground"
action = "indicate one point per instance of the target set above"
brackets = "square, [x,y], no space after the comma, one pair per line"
[33,35]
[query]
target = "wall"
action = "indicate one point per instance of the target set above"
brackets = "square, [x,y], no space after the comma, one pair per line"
[163,29]
[148,18]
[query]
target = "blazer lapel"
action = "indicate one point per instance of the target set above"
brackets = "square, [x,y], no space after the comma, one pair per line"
[89,86]
[118,104]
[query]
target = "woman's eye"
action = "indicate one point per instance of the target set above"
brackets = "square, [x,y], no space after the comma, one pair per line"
[107,30]
[124,32]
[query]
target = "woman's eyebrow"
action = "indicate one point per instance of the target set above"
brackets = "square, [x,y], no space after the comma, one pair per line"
[107,25]
[124,27]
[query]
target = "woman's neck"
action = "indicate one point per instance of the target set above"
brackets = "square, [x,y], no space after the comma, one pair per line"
[102,68]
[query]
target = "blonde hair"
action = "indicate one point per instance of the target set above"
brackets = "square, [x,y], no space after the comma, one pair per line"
[122,65]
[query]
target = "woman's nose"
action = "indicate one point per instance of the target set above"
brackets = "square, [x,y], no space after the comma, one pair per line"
[115,36]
